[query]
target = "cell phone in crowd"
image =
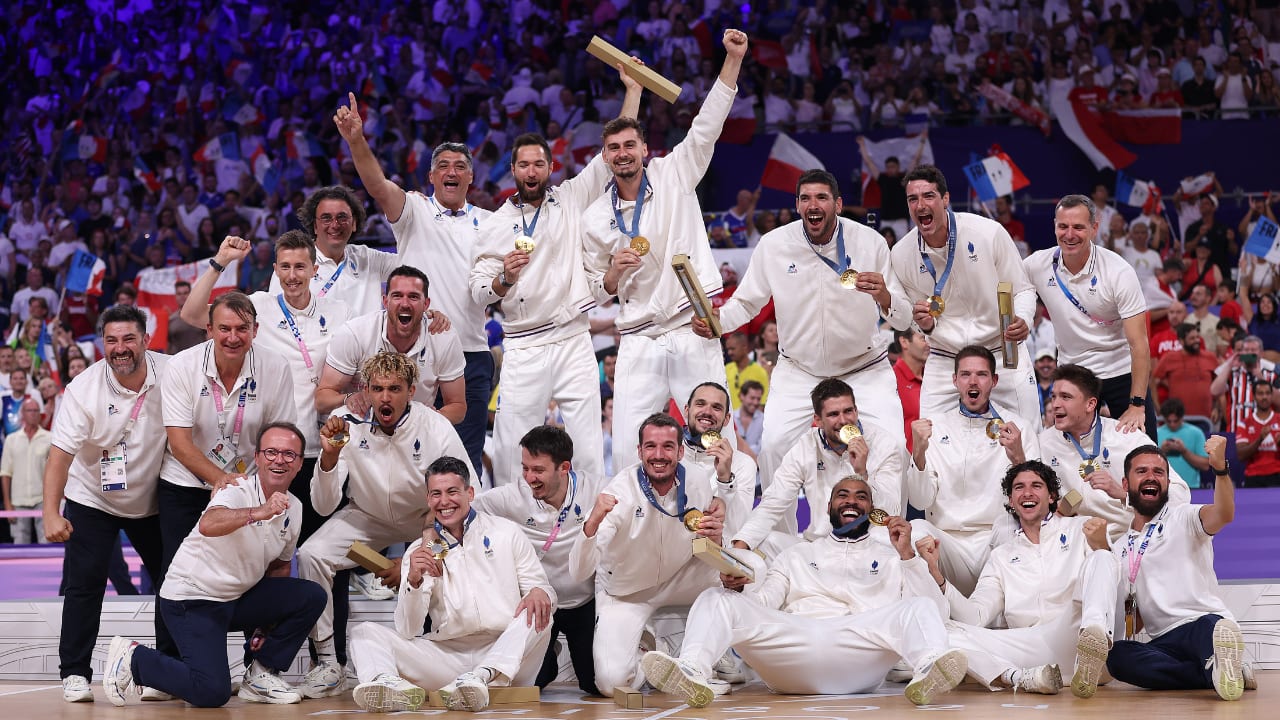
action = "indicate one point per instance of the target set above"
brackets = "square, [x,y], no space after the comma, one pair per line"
[1249,359]
[873,220]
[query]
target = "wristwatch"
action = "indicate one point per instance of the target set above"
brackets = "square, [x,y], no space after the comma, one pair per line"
[1138,401]
[216,266]
[1225,471]
[502,280]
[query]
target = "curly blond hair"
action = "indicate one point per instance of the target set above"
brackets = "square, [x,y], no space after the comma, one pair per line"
[390,363]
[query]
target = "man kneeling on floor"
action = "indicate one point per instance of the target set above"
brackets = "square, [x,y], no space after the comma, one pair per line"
[231,574]
[862,602]
[488,597]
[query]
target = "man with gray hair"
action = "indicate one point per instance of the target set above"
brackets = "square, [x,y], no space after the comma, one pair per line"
[1098,312]
[436,233]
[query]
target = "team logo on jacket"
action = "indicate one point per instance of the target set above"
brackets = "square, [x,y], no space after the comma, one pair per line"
[1106,458]
[923,269]
[639,512]
[364,444]
[875,567]
[417,449]
[204,391]
[791,269]
[488,551]
[324,327]
[973,254]
[282,325]
[111,409]
[1053,461]
[1052,282]
[822,465]
[253,389]
[529,522]
[1062,540]
[813,565]
[945,440]
[1015,560]
[515,229]
[1093,284]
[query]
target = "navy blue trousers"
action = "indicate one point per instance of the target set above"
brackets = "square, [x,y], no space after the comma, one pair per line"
[1174,661]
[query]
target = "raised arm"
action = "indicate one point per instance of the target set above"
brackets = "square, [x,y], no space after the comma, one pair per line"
[388,195]
[196,310]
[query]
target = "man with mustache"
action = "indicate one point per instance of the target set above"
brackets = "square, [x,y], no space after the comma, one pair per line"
[399,327]
[352,272]
[954,457]
[105,459]
[549,507]
[381,455]
[949,264]
[1085,449]
[650,214]
[1166,562]
[831,616]
[831,284]
[637,541]
[437,234]
[529,258]
[819,459]
[1053,582]
[1098,312]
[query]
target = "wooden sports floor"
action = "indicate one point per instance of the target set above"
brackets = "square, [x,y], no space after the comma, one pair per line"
[29,700]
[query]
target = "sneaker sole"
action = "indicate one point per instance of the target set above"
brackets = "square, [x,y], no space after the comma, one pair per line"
[1228,656]
[248,694]
[466,698]
[115,654]
[153,695]
[380,698]
[1091,657]
[663,673]
[79,696]
[947,672]
[1055,682]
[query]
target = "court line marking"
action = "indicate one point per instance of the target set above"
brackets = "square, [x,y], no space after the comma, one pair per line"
[665,713]
[29,690]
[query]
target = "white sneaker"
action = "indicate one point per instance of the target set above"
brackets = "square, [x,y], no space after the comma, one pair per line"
[678,678]
[117,680]
[75,688]
[1043,680]
[325,679]
[937,676]
[1227,660]
[154,695]
[900,673]
[262,685]
[388,693]
[730,669]
[1091,659]
[468,692]
[1250,681]
[719,687]
[371,587]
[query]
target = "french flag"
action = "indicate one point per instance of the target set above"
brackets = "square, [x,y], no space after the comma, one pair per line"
[267,174]
[995,176]
[298,145]
[241,113]
[224,146]
[1137,193]
[85,274]
[788,160]
[146,175]
[208,98]
[85,147]
[1264,241]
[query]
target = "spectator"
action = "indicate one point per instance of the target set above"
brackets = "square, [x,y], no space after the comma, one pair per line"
[1182,442]
[741,368]
[181,334]
[1257,274]
[740,219]
[1187,373]
[1166,95]
[909,372]
[1221,241]
[1228,308]
[1046,362]
[1199,269]
[1234,89]
[1012,225]
[1266,98]
[749,417]
[1205,321]
[20,308]
[1266,325]
[22,473]
[842,109]
[1199,93]
[1235,379]
[1256,434]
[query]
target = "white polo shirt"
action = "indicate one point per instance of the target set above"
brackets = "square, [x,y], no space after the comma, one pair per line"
[443,246]
[1108,289]
[316,324]
[984,257]
[224,568]
[516,503]
[439,357]
[358,285]
[94,414]
[190,384]
[1176,583]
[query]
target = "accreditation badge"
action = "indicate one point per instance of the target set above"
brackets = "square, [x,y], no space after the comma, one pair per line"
[111,468]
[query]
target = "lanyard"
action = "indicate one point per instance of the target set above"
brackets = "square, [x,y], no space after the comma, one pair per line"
[1135,558]
[465,211]
[336,273]
[940,282]
[447,536]
[844,259]
[1067,292]
[222,422]
[528,229]
[1097,441]
[564,512]
[635,217]
[978,416]
[682,500]
[822,438]
[133,416]
[297,334]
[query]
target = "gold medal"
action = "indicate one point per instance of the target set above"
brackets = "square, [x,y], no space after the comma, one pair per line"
[848,433]
[709,438]
[849,279]
[338,440]
[692,519]
[936,305]
[640,244]
[878,517]
[993,427]
[438,549]
[525,245]
[1088,467]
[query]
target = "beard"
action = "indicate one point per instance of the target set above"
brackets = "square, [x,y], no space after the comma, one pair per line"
[536,194]
[837,523]
[1148,507]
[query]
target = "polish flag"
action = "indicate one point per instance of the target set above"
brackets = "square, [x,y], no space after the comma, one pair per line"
[157,298]
[769,53]
[788,160]
[1148,126]
[1084,127]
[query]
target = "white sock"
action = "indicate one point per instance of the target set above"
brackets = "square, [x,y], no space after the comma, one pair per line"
[486,674]
[1011,676]
[325,650]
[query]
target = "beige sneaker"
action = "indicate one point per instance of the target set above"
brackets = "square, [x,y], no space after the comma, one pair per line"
[678,678]
[937,676]
[1091,659]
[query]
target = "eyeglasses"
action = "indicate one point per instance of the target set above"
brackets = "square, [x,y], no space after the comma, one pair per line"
[272,454]
[339,219]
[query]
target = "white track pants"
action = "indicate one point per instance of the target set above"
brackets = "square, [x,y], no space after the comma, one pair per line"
[516,653]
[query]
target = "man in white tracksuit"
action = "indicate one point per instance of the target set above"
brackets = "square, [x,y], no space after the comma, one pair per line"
[1086,450]
[708,411]
[490,603]
[659,357]
[954,458]
[1054,584]
[818,460]
[638,540]
[961,258]
[383,463]
[551,506]
[529,258]
[830,617]
[827,327]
